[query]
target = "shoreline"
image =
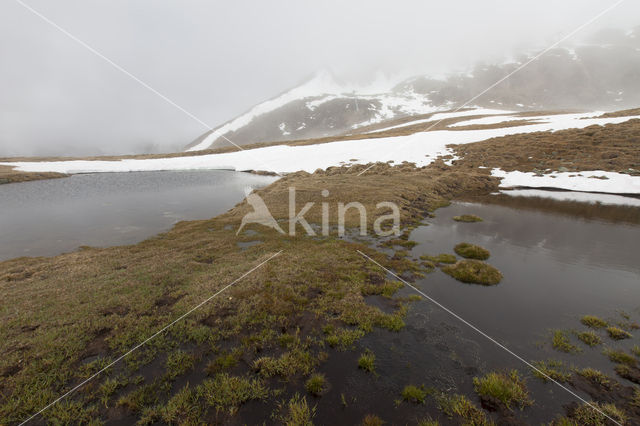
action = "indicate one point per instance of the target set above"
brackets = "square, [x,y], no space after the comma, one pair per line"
[108,299]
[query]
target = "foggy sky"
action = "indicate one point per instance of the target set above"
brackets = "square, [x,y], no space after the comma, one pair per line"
[217,59]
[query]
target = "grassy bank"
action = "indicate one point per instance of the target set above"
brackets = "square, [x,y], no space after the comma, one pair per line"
[260,346]
[10,175]
[66,317]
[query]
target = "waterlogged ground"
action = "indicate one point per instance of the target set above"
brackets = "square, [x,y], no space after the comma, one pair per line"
[49,217]
[556,269]
[320,308]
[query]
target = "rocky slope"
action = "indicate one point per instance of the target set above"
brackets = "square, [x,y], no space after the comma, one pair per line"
[601,74]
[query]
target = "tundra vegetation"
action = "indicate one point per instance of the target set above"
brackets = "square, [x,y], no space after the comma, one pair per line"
[264,341]
[473,271]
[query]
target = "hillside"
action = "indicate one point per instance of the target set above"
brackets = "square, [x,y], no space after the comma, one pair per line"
[602,74]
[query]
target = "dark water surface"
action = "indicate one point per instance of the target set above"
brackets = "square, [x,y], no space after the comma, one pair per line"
[49,217]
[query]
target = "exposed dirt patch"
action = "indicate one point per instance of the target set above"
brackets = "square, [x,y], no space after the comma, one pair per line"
[115,310]
[168,300]
[10,370]
[97,345]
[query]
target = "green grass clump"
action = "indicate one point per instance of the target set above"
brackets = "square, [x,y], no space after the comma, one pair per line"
[223,362]
[473,272]
[621,357]
[469,218]
[143,396]
[367,361]
[636,350]
[636,398]
[589,338]
[593,321]
[225,392]
[626,372]
[471,251]
[560,341]
[183,408]
[295,361]
[388,289]
[400,242]
[316,385]
[109,387]
[68,412]
[617,333]
[178,363]
[296,412]
[551,369]
[342,338]
[596,376]
[441,258]
[587,416]
[372,420]
[414,394]
[508,388]
[460,406]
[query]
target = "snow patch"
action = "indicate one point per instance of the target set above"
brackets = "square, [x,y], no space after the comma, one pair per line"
[589,181]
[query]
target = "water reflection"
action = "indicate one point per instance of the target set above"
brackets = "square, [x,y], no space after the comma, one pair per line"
[48,217]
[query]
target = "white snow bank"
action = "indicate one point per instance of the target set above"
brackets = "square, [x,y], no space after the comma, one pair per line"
[444,115]
[583,197]
[590,181]
[476,111]
[493,120]
[421,148]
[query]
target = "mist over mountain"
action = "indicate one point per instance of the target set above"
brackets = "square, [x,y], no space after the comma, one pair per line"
[603,73]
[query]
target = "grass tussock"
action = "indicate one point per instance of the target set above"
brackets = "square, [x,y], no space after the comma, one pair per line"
[467,218]
[617,333]
[621,357]
[226,392]
[367,361]
[372,420]
[296,412]
[551,369]
[461,409]
[506,387]
[415,394]
[561,342]
[586,415]
[342,338]
[596,377]
[295,361]
[316,385]
[471,251]
[589,338]
[593,321]
[474,272]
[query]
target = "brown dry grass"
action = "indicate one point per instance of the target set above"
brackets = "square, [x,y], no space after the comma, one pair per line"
[62,318]
[10,175]
[613,147]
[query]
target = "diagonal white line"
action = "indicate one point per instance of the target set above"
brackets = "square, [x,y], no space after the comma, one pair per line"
[156,334]
[124,71]
[482,333]
[521,67]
